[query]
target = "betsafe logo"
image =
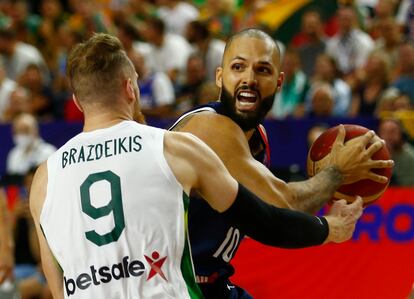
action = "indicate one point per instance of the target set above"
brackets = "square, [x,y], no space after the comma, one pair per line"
[124,269]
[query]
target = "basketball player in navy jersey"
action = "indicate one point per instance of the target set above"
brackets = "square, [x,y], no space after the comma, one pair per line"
[248,80]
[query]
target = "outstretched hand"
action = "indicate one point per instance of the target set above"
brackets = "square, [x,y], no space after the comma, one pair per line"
[342,219]
[354,158]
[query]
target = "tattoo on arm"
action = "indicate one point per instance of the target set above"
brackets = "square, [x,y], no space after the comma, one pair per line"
[312,194]
[182,123]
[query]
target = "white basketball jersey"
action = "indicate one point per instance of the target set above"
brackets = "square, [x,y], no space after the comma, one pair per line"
[115,216]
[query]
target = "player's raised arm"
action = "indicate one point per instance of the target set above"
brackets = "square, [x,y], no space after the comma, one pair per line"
[197,167]
[50,267]
[350,162]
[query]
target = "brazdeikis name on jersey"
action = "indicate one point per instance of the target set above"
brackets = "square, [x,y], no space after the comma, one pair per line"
[125,269]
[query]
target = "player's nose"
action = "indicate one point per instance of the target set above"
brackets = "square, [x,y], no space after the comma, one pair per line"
[249,78]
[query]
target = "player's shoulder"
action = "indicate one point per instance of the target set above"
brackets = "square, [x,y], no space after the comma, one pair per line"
[180,143]
[213,124]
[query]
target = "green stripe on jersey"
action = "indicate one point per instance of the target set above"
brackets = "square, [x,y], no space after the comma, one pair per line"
[186,261]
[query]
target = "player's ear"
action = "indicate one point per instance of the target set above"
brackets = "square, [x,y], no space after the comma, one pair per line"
[130,89]
[219,77]
[280,80]
[76,101]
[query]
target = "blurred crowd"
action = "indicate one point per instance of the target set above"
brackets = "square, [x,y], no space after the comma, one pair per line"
[357,62]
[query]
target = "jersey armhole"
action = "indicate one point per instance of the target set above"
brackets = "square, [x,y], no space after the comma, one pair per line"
[165,167]
[202,109]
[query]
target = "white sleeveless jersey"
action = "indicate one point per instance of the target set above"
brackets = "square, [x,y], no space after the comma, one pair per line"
[115,217]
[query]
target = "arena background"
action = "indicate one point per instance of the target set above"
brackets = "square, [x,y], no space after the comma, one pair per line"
[377,263]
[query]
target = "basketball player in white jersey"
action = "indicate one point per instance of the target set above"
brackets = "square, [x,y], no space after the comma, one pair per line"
[110,205]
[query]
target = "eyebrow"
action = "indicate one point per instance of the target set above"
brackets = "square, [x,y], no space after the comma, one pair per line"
[239,57]
[263,62]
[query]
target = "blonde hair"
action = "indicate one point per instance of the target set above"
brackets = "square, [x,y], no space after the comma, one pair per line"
[97,69]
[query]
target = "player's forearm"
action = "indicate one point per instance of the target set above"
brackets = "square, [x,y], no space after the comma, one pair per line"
[275,226]
[6,251]
[310,195]
[6,240]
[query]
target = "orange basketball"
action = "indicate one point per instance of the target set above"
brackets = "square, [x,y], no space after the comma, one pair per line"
[367,189]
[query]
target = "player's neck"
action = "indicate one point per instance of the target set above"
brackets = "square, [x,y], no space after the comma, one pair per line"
[103,120]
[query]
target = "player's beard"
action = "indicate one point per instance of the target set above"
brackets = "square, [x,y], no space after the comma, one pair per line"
[246,120]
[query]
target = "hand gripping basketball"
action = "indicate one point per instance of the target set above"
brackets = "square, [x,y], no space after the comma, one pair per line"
[360,156]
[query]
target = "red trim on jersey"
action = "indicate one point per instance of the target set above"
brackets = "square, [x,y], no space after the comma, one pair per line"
[263,134]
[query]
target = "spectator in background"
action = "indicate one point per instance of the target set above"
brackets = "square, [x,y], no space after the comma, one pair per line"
[136,10]
[127,34]
[391,101]
[66,38]
[58,91]
[383,10]
[24,23]
[156,89]
[403,103]
[6,8]
[218,14]
[30,149]
[351,46]
[41,97]
[210,49]
[176,15]
[209,92]
[405,18]
[52,18]
[401,152]
[313,41]
[389,40]
[169,51]
[322,100]
[246,15]
[370,83]
[18,55]
[87,18]
[19,103]
[6,88]
[365,4]
[188,91]
[290,100]
[404,80]
[326,71]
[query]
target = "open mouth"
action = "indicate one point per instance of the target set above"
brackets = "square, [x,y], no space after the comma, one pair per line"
[247,100]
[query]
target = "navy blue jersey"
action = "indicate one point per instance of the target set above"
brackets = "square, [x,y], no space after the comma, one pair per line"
[213,241]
